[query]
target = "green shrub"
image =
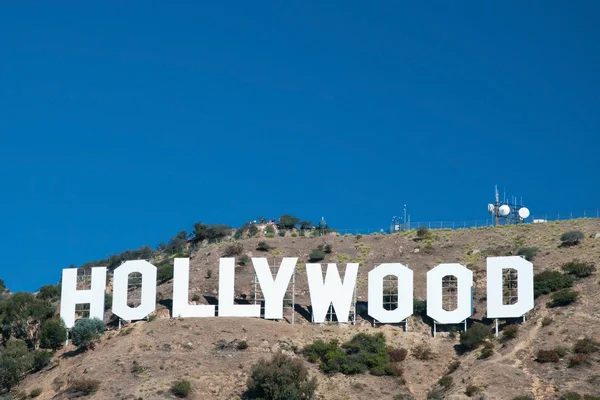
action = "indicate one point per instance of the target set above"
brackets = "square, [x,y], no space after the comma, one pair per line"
[522,398]
[571,238]
[86,331]
[445,381]
[453,366]
[53,334]
[528,252]
[244,260]
[281,377]
[586,346]
[281,233]
[232,250]
[546,321]
[212,233]
[561,351]
[420,307]
[316,255]
[362,353]
[41,359]
[83,387]
[546,356]
[196,297]
[181,388]
[510,332]
[242,345]
[164,273]
[580,269]
[15,361]
[263,246]
[563,298]
[137,368]
[473,390]
[270,230]
[35,393]
[287,222]
[487,351]
[474,336]
[548,281]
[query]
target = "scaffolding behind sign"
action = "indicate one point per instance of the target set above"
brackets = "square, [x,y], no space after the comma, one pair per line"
[289,299]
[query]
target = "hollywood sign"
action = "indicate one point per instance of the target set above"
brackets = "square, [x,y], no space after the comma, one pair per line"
[331,290]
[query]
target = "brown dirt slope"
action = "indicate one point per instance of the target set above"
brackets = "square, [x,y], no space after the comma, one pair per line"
[170,349]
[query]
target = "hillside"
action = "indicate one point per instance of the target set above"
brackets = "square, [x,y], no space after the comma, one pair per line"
[200,349]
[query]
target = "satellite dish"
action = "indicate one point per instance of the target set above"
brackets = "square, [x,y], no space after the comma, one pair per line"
[491,208]
[504,210]
[524,212]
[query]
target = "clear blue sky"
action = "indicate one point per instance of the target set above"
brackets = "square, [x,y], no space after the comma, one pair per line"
[122,124]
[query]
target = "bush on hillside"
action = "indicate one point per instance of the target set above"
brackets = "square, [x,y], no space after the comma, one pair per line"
[232,250]
[571,238]
[53,334]
[474,336]
[83,387]
[473,390]
[422,352]
[548,281]
[41,359]
[586,346]
[181,388]
[263,246]
[398,354]
[325,248]
[316,255]
[87,331]
[364,352]
[15,361]
[547,356]
[211,233]
[580,269]
[510,332]
[49,292]
[244,260]
[528,252]
[422,232]
[21,316]
[281,377]
[563,298]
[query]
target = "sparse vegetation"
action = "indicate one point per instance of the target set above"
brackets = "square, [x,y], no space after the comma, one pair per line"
[422,232]
[242,345]
[472,390]
[244,260]
[422,352]
[281,377]
[546,321]
[35,393]
[453,366]
[397,355]
[586,346]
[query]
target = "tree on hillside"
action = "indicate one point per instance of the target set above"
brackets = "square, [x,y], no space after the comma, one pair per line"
[2,286]
[53,334]
[22,315]
[49,292]
[15,361]
[212,233]
[287,222]
[306,225]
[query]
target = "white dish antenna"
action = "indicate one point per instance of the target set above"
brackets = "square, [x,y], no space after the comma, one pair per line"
[524,212]
[491,208]
[504,210]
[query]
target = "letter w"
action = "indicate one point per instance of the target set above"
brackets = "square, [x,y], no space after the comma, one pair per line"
[331,291]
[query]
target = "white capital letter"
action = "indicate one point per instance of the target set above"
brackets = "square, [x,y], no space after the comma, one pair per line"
[70,296]
[322,295]
[525,302]
[405,293]
[181,284]
[274,289]
[148,290]
[226,289]
[464,277]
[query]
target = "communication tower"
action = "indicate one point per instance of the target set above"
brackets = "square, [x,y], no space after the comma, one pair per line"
[511,212]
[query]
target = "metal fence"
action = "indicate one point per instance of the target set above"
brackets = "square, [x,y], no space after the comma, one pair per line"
[476,223]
